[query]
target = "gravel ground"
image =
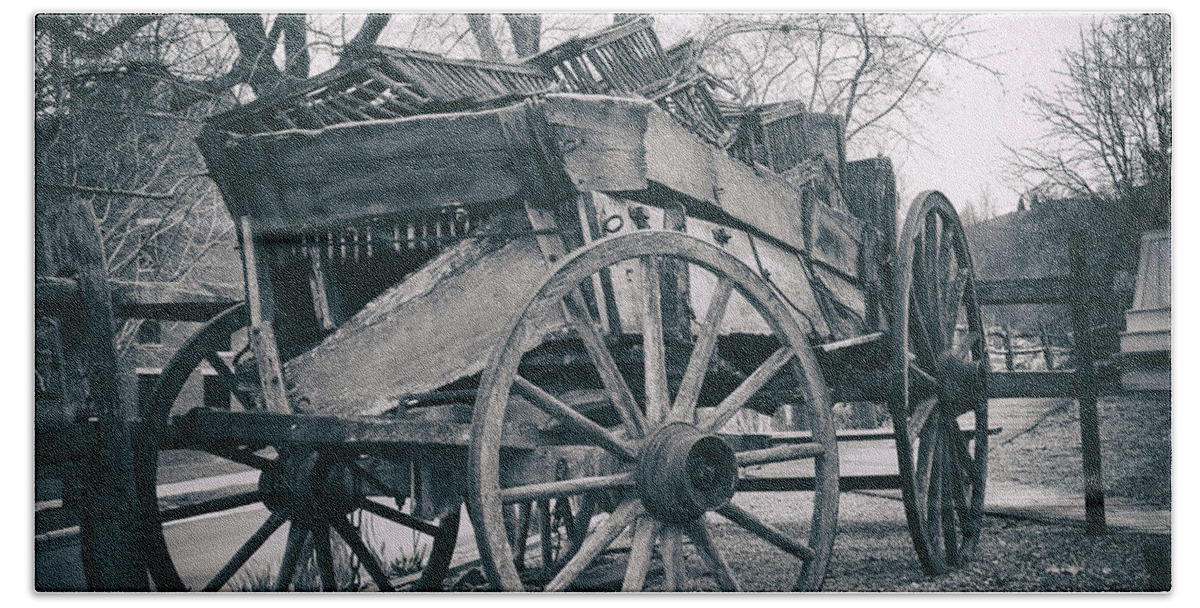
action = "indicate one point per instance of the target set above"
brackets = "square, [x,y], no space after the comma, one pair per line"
[1135,431]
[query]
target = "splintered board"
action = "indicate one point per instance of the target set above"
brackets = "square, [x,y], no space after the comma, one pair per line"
[437,326]
[297,179]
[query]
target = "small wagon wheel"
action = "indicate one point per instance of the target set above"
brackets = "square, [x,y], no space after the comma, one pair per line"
[671,469]
[939,408]
[315,493]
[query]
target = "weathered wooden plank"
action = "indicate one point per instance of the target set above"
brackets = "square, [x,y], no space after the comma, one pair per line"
[437,326]
[678,159]
[109,528]
[1003,385]
[871,194]
[835,239]
[260,299]
[762,200]
[786,272]
[350,433]
[601,140]
[172,301]
[1042,290]
[740,316]
[56,296]
[846,483]
[844,291]
[339,173]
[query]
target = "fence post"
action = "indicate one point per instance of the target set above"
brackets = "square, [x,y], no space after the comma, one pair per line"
[1047,350]
[1008,354]
[1085,385]
[108,518]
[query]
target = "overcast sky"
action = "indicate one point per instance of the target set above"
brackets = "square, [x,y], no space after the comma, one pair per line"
[968,124]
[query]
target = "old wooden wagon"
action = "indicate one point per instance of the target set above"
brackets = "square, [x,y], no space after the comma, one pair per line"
[584,297]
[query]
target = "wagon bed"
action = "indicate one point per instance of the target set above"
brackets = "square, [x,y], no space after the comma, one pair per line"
[562,304]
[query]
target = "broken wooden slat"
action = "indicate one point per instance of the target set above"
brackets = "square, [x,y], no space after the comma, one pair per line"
[437,326]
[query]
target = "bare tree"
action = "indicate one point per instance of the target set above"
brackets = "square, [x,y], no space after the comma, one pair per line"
[1108,126]
[525,30]
[871,69]
[119,100]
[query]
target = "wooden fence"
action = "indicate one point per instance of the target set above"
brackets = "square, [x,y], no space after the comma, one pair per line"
[1076,290]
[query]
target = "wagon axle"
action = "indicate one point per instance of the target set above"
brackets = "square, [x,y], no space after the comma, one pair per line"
[683,473]
[309,488]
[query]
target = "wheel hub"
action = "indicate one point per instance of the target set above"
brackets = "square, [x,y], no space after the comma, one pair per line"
[683,473]
[960,383]
[306,487]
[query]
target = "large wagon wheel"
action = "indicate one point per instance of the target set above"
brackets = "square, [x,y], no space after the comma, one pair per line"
[313,492]
[939,408]
[670,469]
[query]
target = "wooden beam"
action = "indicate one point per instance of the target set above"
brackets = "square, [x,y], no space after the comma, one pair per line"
[805,484]
[1042,290]
[204,426]
[1085,384]
[172,301]
[1009,385]
[58,296]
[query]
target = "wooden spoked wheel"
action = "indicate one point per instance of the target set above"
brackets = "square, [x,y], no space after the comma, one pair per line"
[316,495]
[671,466]
[939,408]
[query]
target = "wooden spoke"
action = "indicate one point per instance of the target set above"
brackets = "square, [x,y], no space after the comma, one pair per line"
[924,473]
[765,531]
[698,532]
[674,566]
[320,539]
[929,275]
[518,534]
[546,528]
[946,279]
[640,552]
[228,380]
[747,389]
[297,534]
[653,350]
[245,552]
[596,542]
[780,454]
[350,534]
[949,498]
[926,381]
[606,366]
[684,409]
[566,487]
[213,505]
[962,453]
[920,418]
[568,416]
[921,338]
[398,516]
[933,512]
[953,302]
